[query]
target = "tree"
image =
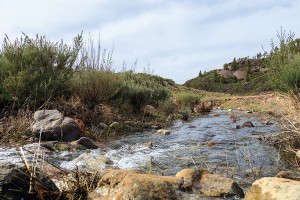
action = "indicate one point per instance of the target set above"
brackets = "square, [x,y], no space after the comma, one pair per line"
[225,66]
[234,65]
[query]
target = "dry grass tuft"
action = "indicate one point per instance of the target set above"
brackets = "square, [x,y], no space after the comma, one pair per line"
[15,128]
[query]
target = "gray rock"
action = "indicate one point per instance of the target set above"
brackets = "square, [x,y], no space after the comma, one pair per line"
[248,124]
[87,143]
[52,125]
[15,183]
[102,126]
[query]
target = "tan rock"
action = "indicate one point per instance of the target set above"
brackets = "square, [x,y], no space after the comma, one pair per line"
[187,184]
[214,185]
[273,188]
[191,178]
[163,132]
[125,184]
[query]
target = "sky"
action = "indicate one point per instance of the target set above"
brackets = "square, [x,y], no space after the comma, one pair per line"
[171,38]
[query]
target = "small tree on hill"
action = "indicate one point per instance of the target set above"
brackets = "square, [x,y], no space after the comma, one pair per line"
[234,65]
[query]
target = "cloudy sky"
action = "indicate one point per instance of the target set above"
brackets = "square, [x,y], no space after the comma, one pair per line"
[174,38]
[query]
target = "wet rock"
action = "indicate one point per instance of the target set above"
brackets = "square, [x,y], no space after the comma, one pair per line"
[15,183]
[248,124]
[212,143]
[88,161]
[163,132]
[215,185]
[274,188]
[52,125]
[268,122]
[149,144]
[245,124]
[87,143]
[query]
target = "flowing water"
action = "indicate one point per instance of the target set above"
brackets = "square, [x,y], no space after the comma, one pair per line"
[211,141]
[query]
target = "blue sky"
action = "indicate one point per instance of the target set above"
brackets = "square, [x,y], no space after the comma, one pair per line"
[175,38]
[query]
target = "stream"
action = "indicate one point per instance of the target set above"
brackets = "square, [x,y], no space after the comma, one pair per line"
[210,141]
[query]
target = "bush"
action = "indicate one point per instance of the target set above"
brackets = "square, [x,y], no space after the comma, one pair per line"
[94,87]
[187,100]
[167,107]
[34,69]
[288,77]
[283,61]
[138,91]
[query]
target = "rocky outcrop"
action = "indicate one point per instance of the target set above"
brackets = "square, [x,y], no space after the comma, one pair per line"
[187,184]
[240,75]
[274,189]
[52,125]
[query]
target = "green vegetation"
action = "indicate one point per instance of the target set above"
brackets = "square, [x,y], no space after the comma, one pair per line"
[187,99]
[211,81]
[137,91]
[284,61]
[94,87]
[32,70]
[79,80]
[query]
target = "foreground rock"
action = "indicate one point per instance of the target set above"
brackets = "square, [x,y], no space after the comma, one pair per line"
[274,188]
[187,184]
[52,125]
[15,184]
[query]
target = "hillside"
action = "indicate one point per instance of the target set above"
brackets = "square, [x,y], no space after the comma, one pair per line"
[242,76]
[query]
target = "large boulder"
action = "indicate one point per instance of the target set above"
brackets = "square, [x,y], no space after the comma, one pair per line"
[274,188]
[15,183]
[52,125]
[125,184]
[187,184]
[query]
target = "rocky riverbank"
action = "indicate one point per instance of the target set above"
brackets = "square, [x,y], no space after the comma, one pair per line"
[99,176]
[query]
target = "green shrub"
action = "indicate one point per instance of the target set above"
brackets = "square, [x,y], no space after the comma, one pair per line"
[185,112]
[187,100]
[139,91]
[168,107]
[93,87]
[34,69]
[288,76]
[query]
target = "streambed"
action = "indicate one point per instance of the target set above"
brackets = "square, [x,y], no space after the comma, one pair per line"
[211,141]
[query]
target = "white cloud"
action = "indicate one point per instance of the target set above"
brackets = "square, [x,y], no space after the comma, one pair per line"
[178,38]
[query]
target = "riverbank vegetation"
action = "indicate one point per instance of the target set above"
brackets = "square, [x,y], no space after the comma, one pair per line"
[80,81]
